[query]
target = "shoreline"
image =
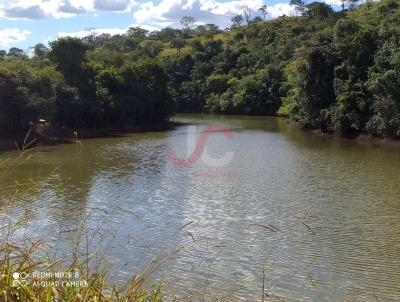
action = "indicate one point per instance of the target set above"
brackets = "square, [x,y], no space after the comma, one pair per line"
[42,136]
[361,138]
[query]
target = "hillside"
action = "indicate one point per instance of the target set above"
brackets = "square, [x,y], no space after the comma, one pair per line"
[336,71]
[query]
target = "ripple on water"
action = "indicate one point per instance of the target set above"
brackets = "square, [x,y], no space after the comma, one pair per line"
[319,217]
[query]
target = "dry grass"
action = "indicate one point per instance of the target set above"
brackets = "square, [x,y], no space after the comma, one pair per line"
[92,286]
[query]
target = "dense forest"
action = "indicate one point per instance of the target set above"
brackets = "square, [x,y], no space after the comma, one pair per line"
[334,71]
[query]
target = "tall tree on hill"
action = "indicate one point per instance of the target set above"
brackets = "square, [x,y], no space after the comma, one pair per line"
[69,54]
[246,12]
[237,21]
[40,50]
[299,6]
[188,23]
[263,11]
[15,52]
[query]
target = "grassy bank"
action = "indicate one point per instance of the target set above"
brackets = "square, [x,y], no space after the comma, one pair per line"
[90,286]
[75,282]
[31,271]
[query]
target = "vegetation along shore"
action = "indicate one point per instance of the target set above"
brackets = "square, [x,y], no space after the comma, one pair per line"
[334,71]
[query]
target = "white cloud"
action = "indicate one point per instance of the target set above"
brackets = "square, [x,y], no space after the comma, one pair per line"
[113,5]
[9,36]
[31,12]
[99,31]
[146,27]
[169,12]
[333,2]
[68,8]
[280,9]
[94,32]
[150,12]
[39,9]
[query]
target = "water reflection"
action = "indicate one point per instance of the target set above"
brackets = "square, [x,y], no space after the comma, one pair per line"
[319,215]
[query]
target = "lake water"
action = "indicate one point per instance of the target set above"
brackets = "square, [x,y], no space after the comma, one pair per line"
[318,216]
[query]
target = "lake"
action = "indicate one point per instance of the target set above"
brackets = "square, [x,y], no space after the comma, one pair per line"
[317,216]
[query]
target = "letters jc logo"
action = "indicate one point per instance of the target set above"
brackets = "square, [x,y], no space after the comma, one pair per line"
[200,149]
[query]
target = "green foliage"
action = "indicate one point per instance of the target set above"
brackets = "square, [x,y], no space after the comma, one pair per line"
[3,54]
[384,80]
[129,101]
[337,71]
[16,52]
[256,94]
[69,55]
[312,89]
[237,21]
[74,87]
[319,10]
[350,83]
[299,5]
[40,50]
[27,94]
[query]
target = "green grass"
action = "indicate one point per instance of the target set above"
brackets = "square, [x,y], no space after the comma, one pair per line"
[283,110]
[17,260]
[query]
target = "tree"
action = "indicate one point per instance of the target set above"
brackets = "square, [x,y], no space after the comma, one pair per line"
[257,19]
[166,34]
[299,5]
[134,36]
[151,48]
[188,23]
[27,94]
[354,49]
[69,54]
[246,12]
[212,29]
[263,11]
[319,10]
[178,43]
[335,71]
[311,74]
[40,50]
[15,52]
[137,33]
[384,80]
[3,54]
[207,30]
[138,93]
[237,21]
[70,57]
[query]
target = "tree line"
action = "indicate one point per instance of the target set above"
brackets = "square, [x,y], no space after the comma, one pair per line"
[336,71]
[68,87]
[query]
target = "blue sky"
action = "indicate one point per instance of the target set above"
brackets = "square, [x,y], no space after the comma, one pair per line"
[23,23]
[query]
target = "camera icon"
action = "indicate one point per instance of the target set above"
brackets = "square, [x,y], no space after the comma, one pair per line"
[20,279]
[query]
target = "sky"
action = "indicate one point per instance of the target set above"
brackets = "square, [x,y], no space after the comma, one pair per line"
[24,23]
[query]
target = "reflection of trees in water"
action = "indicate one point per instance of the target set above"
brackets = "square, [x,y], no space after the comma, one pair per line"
[112,180]
[46,187]
[138,198]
